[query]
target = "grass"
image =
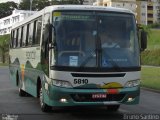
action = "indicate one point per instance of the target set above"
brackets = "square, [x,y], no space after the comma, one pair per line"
[3,64]
[154,39]
[151,57]
[150,77]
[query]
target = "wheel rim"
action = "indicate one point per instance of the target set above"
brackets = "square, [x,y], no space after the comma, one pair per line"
[41,98]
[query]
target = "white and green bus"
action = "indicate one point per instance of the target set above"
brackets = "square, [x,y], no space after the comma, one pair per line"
[77,55]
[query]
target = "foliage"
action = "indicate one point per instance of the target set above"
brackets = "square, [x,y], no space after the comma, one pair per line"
[55,2]
[4,46]
[36,4]
[146,28]
[7,8]
[40,4]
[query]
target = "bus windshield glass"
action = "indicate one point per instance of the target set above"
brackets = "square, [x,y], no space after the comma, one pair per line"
[95,39]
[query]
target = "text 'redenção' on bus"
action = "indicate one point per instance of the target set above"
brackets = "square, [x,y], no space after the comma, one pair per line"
[78,56]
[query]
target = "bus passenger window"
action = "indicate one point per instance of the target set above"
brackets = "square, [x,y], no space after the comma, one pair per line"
[38,31]
[24,36]
[30,34]
[34,32]
[27,34]
[14,39]
[19,37]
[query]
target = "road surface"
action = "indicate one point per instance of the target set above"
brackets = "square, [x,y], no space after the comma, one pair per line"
[27,108]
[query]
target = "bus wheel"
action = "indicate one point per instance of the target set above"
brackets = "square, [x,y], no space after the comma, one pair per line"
[113,108]
[44,106]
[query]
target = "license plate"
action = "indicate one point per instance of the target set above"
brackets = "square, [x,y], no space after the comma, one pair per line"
[99,96]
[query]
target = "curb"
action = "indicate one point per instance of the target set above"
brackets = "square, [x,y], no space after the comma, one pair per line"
[150,89]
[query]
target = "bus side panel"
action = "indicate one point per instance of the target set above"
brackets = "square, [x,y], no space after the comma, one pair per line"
[27,65]
[31,77]
[14,71]
[12,74]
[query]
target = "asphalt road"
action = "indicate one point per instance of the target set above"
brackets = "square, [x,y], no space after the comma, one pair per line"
[27,108]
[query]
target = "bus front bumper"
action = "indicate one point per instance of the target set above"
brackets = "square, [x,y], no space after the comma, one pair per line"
[57,96]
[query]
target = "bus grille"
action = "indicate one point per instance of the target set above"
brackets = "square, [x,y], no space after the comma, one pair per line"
[88,98]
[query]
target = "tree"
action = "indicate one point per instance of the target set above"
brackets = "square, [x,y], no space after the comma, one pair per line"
[4,46]
[81,2]
[7,8]
[40,4]
[68,2]
[71,2]
[24,5]
[36,4]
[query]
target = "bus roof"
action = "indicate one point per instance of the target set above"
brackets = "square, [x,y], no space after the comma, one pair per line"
[72,7]
[87,7]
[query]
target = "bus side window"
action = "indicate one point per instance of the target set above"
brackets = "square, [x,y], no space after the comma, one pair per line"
[38,30]
[24,36]
[34,32]
[27,34]
[14,39]
[19,37]
[30,34]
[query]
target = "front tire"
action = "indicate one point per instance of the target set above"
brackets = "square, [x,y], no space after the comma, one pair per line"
[44,106]
[113,108]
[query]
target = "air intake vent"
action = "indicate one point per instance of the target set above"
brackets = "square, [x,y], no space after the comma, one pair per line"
[97,75]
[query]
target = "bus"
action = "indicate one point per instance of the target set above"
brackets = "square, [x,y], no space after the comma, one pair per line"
[78,55]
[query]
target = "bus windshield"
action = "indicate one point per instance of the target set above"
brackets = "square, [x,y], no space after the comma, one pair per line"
[95,39]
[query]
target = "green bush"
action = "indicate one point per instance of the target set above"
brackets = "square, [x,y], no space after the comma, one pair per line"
[151,57]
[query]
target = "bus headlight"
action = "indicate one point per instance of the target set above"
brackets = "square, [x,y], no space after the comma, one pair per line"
[132,83]
[61,83]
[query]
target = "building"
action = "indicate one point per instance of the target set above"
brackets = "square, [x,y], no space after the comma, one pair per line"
[17,16]
[146,12]
[103,2]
